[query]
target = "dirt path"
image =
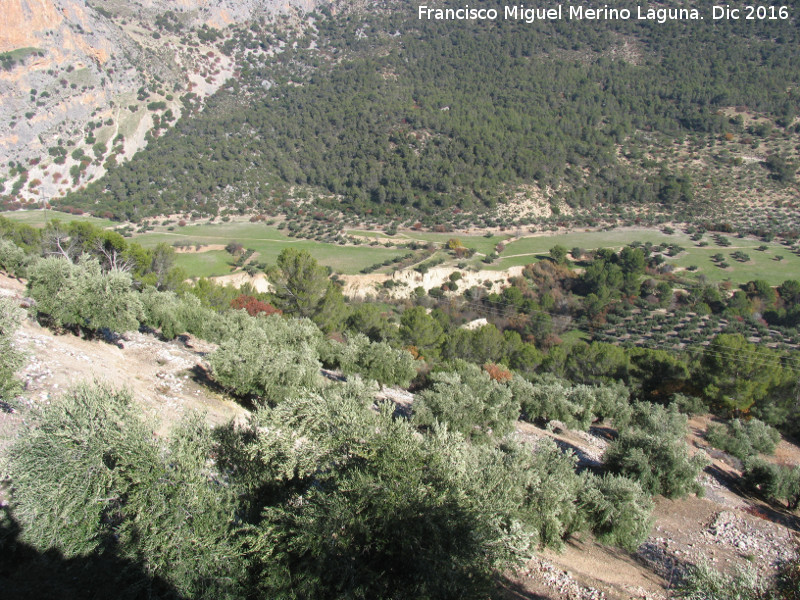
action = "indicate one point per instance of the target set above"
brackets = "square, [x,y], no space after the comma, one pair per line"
[160,375]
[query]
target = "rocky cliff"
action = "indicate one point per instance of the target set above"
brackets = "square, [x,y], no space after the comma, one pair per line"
[79,80]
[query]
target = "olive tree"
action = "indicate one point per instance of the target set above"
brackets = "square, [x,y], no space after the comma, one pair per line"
[467,400]
[13,259]
[90,477]
[653,452]
[617,510]
[378,361]
[11,359]
[82,295]
[269,358]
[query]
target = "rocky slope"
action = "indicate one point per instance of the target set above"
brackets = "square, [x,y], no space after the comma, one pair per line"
[77,78]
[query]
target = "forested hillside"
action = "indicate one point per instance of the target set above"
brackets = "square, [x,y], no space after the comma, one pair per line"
[394,113]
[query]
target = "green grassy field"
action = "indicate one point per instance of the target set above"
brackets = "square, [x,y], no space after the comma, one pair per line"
[205,264]
[479,243]
[36,218]
[588,240]
[762,264]
[267,241]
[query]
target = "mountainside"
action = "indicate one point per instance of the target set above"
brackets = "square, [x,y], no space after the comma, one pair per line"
[74,75]
[391,115]
[726,528]
[374,111]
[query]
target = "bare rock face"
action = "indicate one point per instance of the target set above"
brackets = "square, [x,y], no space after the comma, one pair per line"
[77,76]
[219,13]
[22,20]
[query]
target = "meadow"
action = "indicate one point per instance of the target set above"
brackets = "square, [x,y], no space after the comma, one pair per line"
[762,264]
[773,262]
[39,217]
[266,240]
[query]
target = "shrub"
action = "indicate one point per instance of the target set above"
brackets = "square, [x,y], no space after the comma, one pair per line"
[90,477]
[11,359]
[658,419]
[551,488]
[71,468]
[617,510]
[576,406]
[497,373]
[558,254]
[653,452]
[253,306]
[375,510]
[702,582]
[689,405]
[467,400]
[82,295]
[13,259]
[234,248]
[377,361]
[161,310]
[743,439]
[270,358]
[773,482]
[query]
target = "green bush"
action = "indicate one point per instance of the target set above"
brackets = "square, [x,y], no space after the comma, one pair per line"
[617,510]
[90,476]
[181,515]
[269,358]
[71,468]
[773,482]
[467,400]
[374,510]
[658,419]
[689,405]
[13,259]
[160,311]
[576,406]
[551,488]
[743,439]
[11,359]
[652,451]
[378,361]
[702,582]
[83,295]
[555,400]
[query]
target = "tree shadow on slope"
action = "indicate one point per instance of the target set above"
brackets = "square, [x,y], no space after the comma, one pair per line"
[508,589]
[202,377]
[28,574]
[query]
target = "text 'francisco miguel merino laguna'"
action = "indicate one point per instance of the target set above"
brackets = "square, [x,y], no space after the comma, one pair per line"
[559,12]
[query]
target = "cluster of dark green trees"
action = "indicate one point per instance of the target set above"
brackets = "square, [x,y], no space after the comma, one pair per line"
[405,116]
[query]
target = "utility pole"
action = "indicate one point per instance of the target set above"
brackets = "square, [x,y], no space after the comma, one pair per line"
[45,202]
